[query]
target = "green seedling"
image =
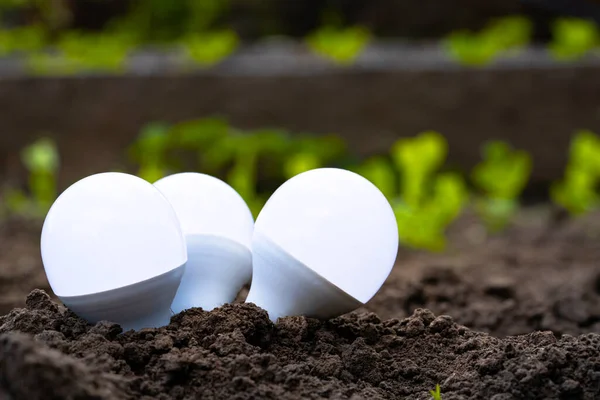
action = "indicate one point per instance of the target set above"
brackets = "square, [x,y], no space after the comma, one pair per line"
[300,163]
[573,38]
[75,52]
[381,173]
[500,178]
[150,152]
[481,48]
[437,393]
[95,52]
[210,48]
[41,160]
[243,175]
[22,39]
[342,46]
[428,201]
[577,192]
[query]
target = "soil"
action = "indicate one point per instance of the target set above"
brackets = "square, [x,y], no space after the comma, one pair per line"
[513,316]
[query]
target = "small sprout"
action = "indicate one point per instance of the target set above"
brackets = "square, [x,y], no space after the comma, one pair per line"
[500,178]
[209,48]
[573,38]
[342,46]
[577,191]
[437,393]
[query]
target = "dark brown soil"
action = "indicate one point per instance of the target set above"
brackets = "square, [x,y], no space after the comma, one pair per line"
[539,279]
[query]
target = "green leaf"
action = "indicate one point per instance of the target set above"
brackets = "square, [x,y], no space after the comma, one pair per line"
[585,151]
[436,394]
[210,47]
[300,163]
[471,49]
[42,155]
[96,52]
[25,39]
[495,213]
[504,172]
[342,46]
[199,134]
[379,171]
[417,158]
[573,38]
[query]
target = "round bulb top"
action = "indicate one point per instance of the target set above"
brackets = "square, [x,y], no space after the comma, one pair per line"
[336,223]
[206,205]
[108,231]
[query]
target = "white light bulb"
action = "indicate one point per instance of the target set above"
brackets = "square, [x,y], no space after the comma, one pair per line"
[323,245]
[217,225]
[113,249]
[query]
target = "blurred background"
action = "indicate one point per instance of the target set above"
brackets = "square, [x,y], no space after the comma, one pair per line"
[448,98]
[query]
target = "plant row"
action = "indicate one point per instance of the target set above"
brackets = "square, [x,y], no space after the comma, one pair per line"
[426,196]
[203,41]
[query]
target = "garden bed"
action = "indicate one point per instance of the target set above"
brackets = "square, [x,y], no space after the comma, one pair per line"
[393,90]
[447,318]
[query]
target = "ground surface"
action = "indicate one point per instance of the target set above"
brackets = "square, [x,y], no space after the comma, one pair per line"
[540,279]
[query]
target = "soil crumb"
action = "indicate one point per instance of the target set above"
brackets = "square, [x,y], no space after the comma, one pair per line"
[236,352]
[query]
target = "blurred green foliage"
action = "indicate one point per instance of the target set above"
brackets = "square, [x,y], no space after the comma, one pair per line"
[577,192]
[341,45]
[51,48]
[211,47]
[498,37]
[212,146]
[425,199]
[428,200]
[573,38]
[41,159]
[46,34]
[500,178]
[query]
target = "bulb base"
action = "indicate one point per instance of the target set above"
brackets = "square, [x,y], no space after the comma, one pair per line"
[216,270]
[283,286]
[144,304]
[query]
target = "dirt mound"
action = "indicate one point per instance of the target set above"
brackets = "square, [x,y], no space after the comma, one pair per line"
[235,352]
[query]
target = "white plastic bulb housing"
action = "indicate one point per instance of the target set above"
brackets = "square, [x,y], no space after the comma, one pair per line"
[323,245]
[113,249]
[218,226]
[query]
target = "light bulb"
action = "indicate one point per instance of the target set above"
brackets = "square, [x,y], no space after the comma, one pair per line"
[217,225]
[323,245]
[113,249]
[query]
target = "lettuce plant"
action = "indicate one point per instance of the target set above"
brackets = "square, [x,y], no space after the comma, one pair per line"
[78,51]
[150,150]
[342,46]
[381,173]
[573,38]
[22,39]
[500,179]
[209,48]
[577,192]
[480,48]
[429,201]
[41,159]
